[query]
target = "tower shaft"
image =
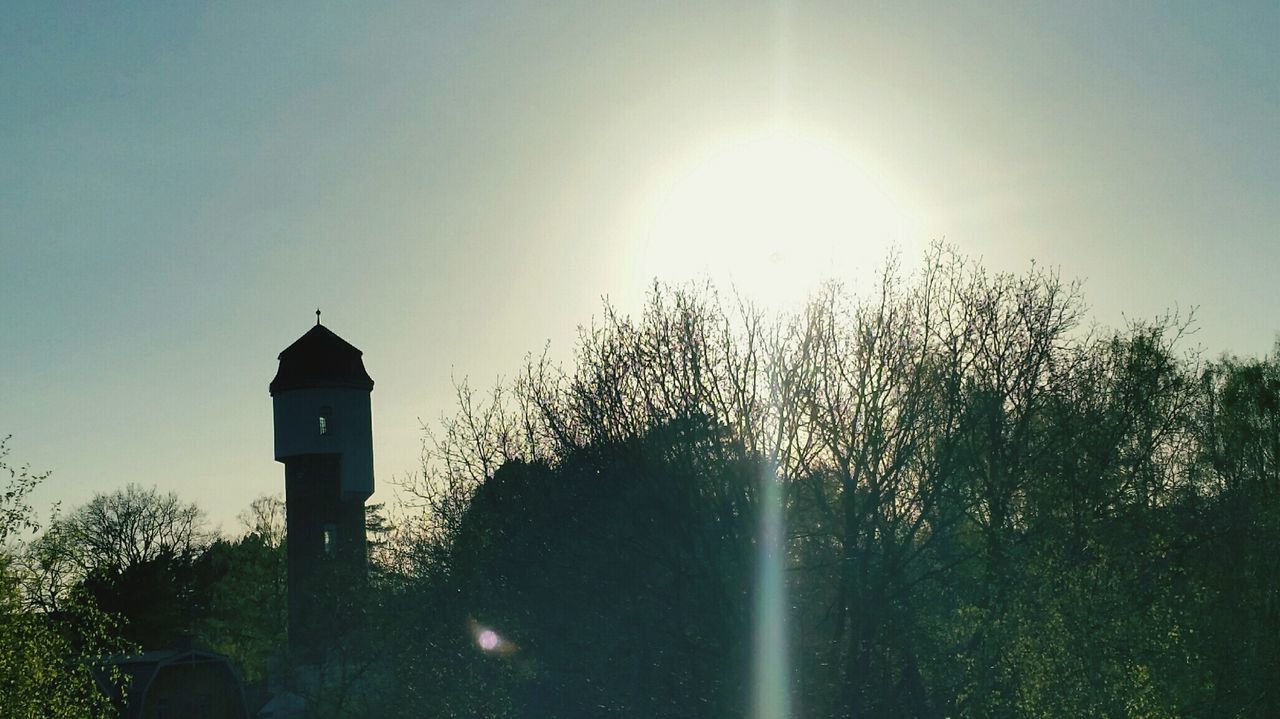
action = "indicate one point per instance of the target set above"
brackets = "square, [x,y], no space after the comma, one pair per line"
[326,554]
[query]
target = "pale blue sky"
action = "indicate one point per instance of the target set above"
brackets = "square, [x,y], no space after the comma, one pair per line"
[457,184]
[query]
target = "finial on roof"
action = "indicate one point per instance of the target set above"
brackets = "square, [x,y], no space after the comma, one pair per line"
[317,315]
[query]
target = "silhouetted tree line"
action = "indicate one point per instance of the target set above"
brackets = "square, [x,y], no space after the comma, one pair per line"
[992,509]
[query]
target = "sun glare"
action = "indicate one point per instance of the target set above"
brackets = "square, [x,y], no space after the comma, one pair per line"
[773,213]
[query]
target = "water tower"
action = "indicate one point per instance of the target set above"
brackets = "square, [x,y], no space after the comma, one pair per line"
[324,438]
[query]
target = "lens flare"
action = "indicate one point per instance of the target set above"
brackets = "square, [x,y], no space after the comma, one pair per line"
[490,641]
[771,669]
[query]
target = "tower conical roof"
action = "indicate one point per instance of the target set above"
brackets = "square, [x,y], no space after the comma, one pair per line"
[320,358]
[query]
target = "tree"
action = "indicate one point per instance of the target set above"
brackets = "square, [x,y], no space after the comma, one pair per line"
[246,615]
[585,552]
[46,661]
[1231,575]
[135,552]
[991,509]
[265,518]
[132,526]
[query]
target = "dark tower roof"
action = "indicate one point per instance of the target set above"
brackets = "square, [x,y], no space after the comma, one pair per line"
[320,359]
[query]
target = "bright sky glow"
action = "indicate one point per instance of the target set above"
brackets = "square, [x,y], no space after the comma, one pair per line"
[773,212]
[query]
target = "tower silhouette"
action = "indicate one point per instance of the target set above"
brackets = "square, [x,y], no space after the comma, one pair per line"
[324,438]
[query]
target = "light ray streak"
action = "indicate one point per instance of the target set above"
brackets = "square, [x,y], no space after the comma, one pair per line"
[771,667]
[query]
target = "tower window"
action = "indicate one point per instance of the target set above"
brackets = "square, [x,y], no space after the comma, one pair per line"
[330,538]
[326,420]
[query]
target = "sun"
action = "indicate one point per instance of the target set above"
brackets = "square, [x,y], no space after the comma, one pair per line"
[773,213]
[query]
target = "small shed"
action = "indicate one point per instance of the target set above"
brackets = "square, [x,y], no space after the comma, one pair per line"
[185,683]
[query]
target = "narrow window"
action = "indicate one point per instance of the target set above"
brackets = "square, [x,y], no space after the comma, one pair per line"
[330,538]
[326,425]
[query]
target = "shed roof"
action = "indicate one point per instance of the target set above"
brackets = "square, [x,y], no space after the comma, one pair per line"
[141,670]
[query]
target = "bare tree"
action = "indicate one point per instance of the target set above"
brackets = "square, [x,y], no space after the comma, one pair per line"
[957,453]
[265,517]
[112,533]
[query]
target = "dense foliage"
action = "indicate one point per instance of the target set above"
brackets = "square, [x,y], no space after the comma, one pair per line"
[991,508]
[47,660]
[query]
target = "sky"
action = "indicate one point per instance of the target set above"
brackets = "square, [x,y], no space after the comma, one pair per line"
[457,185]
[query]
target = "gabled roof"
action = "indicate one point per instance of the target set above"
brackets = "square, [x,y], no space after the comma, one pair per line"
[140,672]
[320,358]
